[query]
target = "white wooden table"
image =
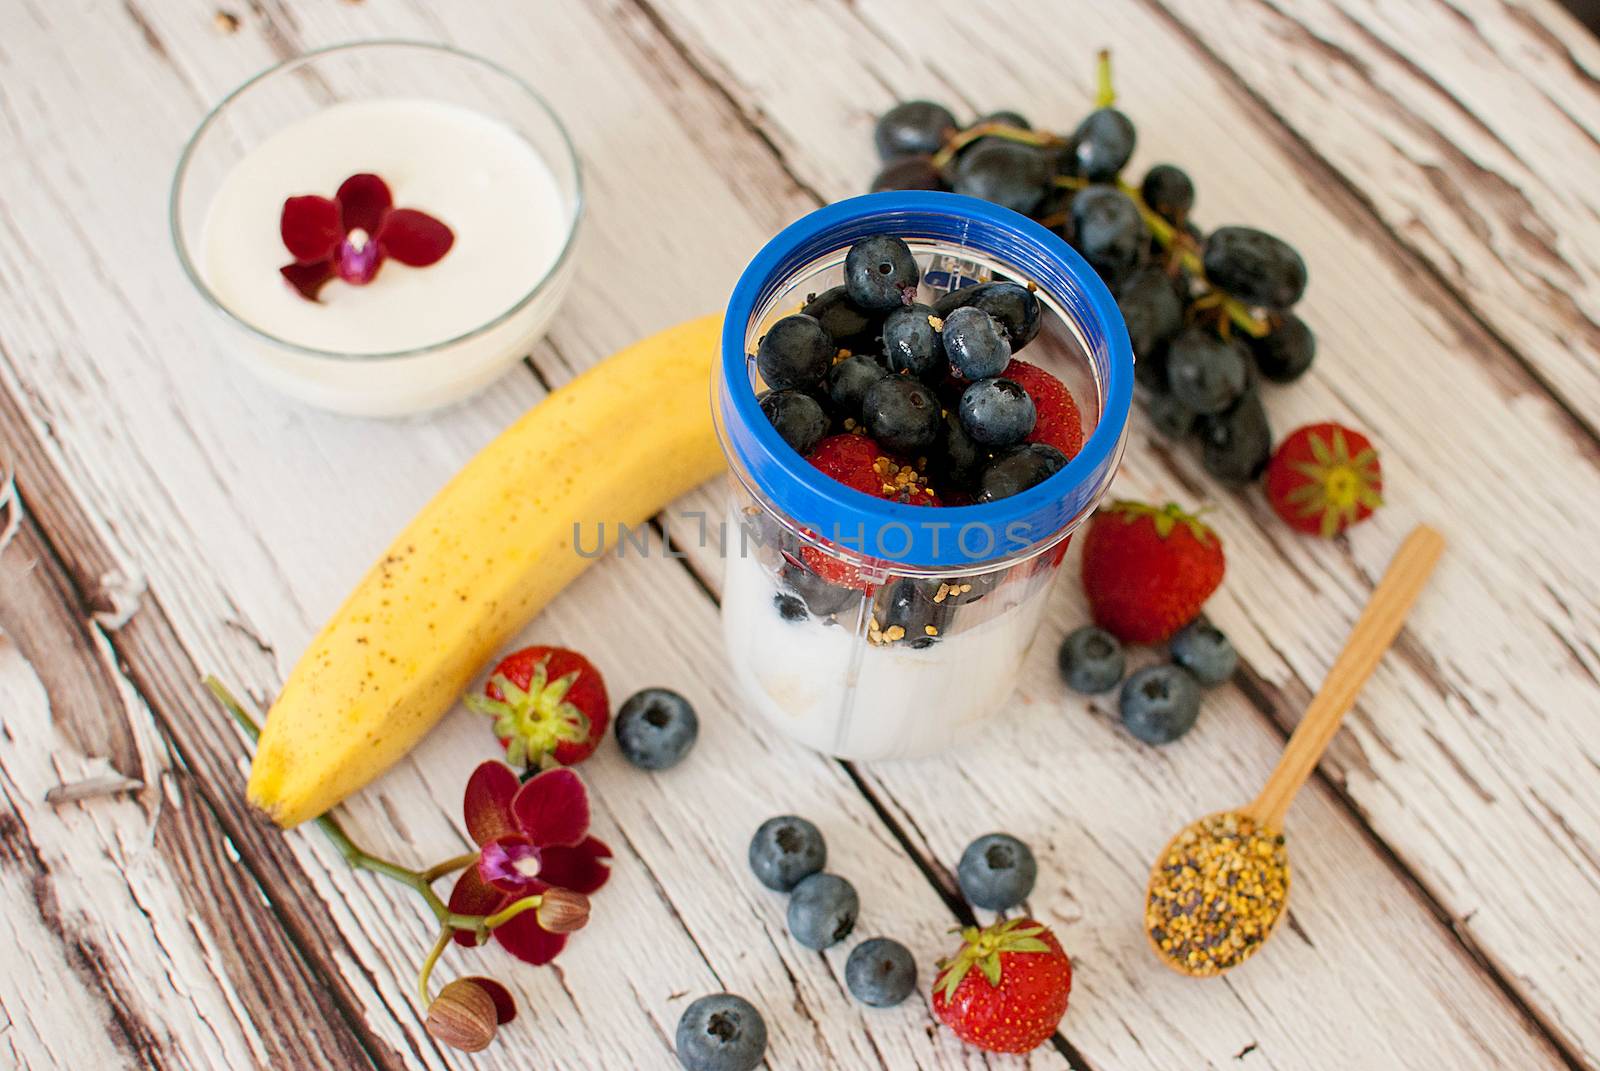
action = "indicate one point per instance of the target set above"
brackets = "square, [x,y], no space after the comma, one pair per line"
[1435,160]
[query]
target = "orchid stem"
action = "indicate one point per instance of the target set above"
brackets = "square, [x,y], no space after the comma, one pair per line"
[439,945]
[511,911]
[449,866]
[358,857]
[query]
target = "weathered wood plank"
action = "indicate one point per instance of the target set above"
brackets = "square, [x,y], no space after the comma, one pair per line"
[1471,128]
[112,898]
[247,612]
[1447,773]
[268,534]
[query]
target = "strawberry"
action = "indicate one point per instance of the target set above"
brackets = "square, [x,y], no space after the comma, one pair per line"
[861,464]
[851,460]
[1323,479]
[549,706]
[1015,999]
[1148,571]
[1058,423]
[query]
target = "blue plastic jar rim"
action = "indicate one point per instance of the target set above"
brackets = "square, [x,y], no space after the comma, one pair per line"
[923,536]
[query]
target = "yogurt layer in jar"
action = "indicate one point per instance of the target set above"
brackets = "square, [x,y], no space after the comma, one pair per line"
[868,628]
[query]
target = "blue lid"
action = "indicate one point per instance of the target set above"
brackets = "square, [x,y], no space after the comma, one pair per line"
[923,536]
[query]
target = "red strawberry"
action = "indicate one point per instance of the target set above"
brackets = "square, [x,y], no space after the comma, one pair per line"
[549,706]
[860,463]
[1148,571]
[850,459]
[1324,478]
[1015,999]
[1059,424]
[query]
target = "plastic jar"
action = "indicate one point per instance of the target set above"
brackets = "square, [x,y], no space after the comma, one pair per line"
[925,637]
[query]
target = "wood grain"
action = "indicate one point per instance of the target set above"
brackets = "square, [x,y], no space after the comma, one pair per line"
[704,128]
[1469,128]
[1450,773]
[1370,638]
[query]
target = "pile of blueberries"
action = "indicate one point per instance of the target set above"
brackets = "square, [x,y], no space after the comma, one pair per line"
[1209,316]
[1159,703]
[923,381]
[725,1032]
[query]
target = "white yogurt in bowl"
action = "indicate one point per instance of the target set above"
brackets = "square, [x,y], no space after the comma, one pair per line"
[483,156]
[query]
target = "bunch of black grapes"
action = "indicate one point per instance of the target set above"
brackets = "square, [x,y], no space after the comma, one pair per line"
[1209,315]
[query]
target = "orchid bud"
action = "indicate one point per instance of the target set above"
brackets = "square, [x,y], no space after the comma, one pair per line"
[562,910]
[463,1016]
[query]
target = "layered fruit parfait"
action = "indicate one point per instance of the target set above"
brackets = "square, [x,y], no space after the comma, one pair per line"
[921,396]
[390,243]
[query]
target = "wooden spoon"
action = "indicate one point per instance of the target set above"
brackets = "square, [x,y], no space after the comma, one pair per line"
[1253,838]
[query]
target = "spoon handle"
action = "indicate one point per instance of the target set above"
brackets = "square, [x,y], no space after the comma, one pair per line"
[1374,631]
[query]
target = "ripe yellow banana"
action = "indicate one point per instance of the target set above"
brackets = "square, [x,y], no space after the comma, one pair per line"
[614,445]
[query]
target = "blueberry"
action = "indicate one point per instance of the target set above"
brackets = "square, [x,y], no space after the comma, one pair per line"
[881,273]
[1012,304]
[912,126]
[656,728]
[1091,660]
[997,412]
[911,344]
[1018,469]
[814,593]
[902,415]
[797,416]
[1237,443]
[1256,267]
[1207,373]
[721,1032]
[1205,652]
[1102,144]
[1009,174]
[908,605]
[1108,230]
[848,382]
[851,327]
[795,353]
[957,461]
[996,872]
[1160,703]
[880,972]
[823,910]
[1171,417]
[789,607]
[1285,352]
[908,173]
[976,343]
[785,851]
[1169,192]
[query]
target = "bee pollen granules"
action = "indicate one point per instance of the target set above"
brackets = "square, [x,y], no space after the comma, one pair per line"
[1216,892]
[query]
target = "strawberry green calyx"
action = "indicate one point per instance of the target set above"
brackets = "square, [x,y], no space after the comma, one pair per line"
[1338,485]
[982,949]
[535,720]
[1164,518]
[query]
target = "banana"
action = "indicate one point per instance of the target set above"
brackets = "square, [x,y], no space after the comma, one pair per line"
[492,548]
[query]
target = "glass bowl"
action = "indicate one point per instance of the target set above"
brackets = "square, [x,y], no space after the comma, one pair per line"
[451,134]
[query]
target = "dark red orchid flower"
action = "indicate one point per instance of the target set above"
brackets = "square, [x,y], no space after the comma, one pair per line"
[351,234]
[530,836]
